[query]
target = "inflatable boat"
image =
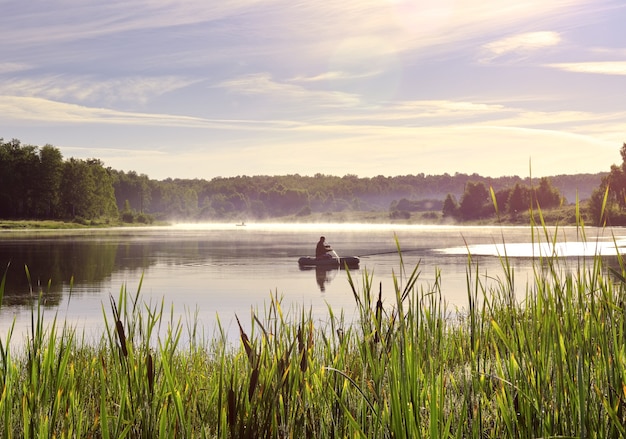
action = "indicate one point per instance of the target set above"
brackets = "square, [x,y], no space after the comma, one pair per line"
[331,260]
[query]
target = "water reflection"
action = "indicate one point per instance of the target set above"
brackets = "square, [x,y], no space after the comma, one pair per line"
[48,265]
[323,275]
[544,250]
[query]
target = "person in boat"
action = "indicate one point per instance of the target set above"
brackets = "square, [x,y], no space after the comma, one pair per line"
[322,249]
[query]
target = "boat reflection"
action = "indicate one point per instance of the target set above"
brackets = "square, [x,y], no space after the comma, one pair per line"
[323,275]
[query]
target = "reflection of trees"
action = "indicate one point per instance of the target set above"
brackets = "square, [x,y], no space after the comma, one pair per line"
[52,264]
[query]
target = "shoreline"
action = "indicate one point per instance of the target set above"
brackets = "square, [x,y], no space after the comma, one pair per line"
[564,216]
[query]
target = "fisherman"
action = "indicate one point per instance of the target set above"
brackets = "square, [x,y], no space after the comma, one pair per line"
[322,249]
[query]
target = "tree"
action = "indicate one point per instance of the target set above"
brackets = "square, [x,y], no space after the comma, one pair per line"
[48,182]
[519,200]
[450,207]
[546,196]
[133,188]
[607,204]
[103,199]
[87,190]
[502,199]
[474,201]
[18,173]
[175,200]
[77,188]
[127,215]
[597,209]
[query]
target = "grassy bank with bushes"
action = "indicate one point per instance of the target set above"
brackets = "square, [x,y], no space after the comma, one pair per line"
[77,224]
[43,224]
[564,215]
[550,365]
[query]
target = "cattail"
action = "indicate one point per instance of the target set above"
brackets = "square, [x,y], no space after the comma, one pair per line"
[304,361]
[310,341]
[300,340]
[246,342]
[379,303]
[379,313]
[254,379]
[150,372]
[340,335]
[232,408]
[122,337]
[301,350]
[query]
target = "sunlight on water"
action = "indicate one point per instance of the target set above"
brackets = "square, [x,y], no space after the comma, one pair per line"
[528,250]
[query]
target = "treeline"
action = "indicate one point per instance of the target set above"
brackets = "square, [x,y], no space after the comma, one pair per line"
[260,197]
[38,183]
[478,202]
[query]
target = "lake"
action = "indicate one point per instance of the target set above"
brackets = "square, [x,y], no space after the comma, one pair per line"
[205,271]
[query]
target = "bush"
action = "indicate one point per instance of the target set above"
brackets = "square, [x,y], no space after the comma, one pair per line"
[400,214]
[144,219]
[128,217]
[82,221]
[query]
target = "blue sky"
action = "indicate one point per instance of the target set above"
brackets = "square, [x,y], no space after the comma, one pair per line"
[204,88]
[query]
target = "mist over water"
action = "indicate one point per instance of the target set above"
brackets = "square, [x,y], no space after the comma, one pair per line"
[208,271]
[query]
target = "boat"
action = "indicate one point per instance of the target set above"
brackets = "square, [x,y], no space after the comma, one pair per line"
[332,260]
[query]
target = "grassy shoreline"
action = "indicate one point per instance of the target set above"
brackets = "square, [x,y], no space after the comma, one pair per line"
[552,365]
[57,224]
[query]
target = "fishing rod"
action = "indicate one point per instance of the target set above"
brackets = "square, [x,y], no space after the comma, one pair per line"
[391,252]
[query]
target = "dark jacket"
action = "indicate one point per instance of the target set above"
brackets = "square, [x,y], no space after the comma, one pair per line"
[321,249]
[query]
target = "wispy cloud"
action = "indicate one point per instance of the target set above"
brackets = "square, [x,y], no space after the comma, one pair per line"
[60,21]
[44,110]
[369,120]
[602,68]
[520,45]
[12,67]
[263,84]
[319,28]
[90,89]
[335,76]
[449,109]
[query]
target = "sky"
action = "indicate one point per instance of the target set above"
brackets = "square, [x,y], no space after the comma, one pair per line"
[206,88]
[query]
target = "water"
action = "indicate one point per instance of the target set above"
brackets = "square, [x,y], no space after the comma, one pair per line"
[202,272]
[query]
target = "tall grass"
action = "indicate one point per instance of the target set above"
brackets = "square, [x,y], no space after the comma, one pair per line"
[552,364]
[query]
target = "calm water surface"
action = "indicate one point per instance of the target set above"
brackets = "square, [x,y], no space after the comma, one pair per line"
[210,270]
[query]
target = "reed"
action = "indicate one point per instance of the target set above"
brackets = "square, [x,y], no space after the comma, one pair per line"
[552,364]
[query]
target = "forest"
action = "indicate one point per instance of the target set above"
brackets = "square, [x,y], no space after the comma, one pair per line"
[38,183]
